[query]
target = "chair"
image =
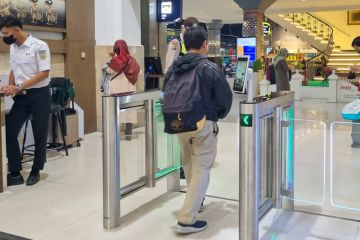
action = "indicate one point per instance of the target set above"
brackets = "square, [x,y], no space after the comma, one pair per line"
[57,110]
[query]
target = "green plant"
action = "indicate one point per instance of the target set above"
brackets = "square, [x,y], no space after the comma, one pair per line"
[257,66]
[299,66]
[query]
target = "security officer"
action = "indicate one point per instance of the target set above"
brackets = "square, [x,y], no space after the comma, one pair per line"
[29,86]
[177,47]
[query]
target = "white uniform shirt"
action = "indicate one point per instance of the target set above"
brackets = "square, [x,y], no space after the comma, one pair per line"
[27,60]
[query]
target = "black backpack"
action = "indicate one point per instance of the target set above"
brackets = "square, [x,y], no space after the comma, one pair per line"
[183,107]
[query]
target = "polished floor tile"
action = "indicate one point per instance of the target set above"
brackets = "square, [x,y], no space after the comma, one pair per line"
[67,203]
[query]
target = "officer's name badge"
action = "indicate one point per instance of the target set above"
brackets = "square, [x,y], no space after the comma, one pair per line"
[42,54]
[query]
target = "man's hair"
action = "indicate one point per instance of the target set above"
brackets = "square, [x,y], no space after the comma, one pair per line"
[195,37]
[11,21]
[356,42]
[190,22]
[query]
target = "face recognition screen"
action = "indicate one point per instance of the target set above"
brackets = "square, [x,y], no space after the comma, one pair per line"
[241,71]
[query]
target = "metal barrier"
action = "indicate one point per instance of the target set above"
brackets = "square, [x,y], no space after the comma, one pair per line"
[266,155]
[113,106]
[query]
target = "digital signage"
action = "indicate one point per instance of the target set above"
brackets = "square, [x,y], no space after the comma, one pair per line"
[169,10]
[247,47]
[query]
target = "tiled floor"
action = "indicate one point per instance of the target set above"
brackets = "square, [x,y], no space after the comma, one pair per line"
[67,204]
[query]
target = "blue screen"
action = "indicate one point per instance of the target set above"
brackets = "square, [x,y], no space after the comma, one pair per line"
[169,10]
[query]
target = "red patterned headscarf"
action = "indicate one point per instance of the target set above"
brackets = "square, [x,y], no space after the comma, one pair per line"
[122,56]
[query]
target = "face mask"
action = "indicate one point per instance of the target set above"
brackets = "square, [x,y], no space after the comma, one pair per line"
[9,40]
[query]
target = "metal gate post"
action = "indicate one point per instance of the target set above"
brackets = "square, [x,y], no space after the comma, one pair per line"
[150,164]
[249,174]
[111,162]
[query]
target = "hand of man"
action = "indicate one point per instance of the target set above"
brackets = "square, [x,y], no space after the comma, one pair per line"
[10,90]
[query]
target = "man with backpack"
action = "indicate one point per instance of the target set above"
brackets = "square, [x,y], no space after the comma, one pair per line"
[196,95]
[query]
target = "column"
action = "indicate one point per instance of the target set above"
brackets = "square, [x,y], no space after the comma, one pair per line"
[253,27]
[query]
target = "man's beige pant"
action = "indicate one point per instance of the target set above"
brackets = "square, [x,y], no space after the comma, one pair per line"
[198,151]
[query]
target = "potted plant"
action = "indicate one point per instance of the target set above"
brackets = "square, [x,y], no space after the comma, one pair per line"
[257,67]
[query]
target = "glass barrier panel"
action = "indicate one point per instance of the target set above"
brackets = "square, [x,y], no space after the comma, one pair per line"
[266,138]
[166,146]
[304,159]
[345,165]
[132,145]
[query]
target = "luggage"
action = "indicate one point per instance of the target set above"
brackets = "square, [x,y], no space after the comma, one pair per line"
[72,137]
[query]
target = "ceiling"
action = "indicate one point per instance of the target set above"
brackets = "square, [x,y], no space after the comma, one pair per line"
[207,10]
[230,12]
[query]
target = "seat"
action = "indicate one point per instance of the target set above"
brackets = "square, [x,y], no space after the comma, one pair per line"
[57,111]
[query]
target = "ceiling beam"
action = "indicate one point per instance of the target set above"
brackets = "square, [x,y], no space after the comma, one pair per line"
[255,4]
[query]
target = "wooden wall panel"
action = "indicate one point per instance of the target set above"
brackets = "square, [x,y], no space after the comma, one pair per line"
[56,46]
[82,74]
[80,38]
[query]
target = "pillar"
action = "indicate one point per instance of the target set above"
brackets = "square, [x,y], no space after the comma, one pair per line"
[253,27]
[214,32]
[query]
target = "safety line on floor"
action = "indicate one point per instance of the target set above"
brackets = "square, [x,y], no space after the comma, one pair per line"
[221,198]
[323,215]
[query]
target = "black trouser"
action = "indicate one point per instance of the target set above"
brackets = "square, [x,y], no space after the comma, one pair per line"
[36,102]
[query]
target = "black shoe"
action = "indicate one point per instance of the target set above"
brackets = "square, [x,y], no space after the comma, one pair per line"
[355,145]
[33,179]
[14,181]
[182,173]
[198,226]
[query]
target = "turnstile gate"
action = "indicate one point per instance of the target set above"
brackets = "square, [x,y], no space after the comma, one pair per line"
[266,159]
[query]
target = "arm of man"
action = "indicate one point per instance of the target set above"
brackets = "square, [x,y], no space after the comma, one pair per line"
[223,93]
[172,54]
[12,79]
[43,59]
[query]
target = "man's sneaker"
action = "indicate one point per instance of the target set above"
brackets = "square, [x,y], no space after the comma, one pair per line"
[182,173]
[14,181]
[198,226]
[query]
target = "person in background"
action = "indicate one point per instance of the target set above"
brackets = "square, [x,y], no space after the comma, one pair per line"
[282,71]
[29,86]
[124,72]
[198,148]
[356,44]
[177,47]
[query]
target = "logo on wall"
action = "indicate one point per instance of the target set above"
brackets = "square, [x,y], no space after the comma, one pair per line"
[45,13]
[267,29]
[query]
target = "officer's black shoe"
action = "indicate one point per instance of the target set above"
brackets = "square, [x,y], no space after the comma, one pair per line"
[182,173]
[14,181]
[33,179]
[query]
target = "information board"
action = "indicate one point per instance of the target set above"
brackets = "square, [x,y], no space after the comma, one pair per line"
[169,10]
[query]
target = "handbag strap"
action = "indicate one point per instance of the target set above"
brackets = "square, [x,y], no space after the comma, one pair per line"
[125,69]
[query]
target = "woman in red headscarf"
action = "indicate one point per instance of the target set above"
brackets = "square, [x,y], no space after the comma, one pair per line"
[124,71]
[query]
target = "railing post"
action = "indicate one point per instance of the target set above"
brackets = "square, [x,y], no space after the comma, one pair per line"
[150,164]
[111,162]
[296,85]
[333,80]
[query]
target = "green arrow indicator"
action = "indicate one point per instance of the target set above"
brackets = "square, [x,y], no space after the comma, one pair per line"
[246,120]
